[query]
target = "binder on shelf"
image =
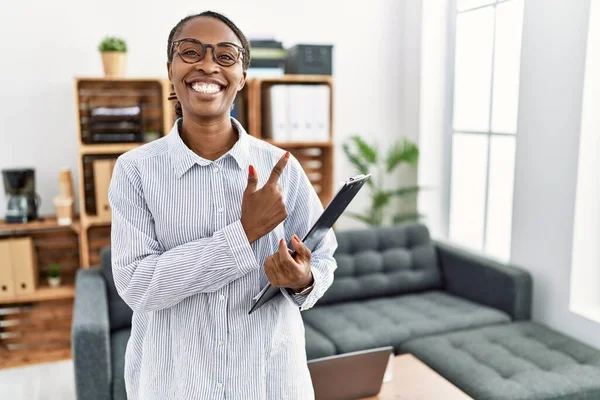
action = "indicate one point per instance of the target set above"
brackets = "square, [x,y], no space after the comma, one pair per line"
[102,175]
[24,265]
[7,290]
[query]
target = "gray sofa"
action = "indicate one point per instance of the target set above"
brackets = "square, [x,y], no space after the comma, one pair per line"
[465,316]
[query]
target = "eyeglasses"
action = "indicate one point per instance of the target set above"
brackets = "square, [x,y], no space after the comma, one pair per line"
[192,51]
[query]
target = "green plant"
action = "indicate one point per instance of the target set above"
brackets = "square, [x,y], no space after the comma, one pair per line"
[366,159]
[111,43]
[54,270]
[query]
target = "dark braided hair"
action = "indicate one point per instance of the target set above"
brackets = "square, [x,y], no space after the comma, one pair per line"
[175,31]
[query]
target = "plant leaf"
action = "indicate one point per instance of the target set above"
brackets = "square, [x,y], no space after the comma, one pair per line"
[406,217]
[405,191]
[381,199]
[367,152]
[402,152]
[366,219]
[355,160]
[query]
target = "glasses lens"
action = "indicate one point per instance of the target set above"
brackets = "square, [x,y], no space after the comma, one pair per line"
[226,54]
[190,52]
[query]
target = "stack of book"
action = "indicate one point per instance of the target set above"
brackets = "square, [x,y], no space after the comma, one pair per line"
[267,58]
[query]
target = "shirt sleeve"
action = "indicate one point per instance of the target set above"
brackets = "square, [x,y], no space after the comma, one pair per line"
[149,278]
[304,208]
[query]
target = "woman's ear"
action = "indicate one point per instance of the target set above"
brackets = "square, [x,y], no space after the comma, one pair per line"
[242,80]
[169,71]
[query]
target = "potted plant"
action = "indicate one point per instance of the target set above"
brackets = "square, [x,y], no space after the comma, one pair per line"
[114,51]
[54,275]
[366,158]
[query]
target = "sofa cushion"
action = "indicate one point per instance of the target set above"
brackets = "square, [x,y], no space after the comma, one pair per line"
[317,345]
[383,262]
[518,361]
[119,313]
[118,345]
[392,321]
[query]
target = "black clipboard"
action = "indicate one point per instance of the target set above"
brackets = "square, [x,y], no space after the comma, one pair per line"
[317,232]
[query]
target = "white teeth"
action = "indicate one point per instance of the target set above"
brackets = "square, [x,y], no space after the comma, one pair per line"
[204,87]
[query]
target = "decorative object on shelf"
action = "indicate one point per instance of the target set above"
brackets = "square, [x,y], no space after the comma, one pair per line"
[54,275]
[309,59]
[64,210]
[114,51]
[366,159]
[22,200]
[149,136]
[64,202]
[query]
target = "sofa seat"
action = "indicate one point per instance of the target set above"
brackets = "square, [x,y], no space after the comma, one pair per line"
[518,361]
[317,345]
[118,341]
[353,326]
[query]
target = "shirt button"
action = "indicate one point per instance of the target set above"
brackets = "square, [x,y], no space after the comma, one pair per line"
[216,169]
[221,343]
[219,385]
[220,210]
[221,297]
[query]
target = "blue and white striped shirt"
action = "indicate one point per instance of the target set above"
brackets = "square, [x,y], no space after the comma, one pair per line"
[182,262]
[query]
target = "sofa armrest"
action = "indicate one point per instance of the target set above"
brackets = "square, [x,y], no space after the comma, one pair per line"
[91,337]
[501,286]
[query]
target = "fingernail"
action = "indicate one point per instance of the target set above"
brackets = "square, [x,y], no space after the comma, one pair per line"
[281,241]
[251,169]
[287,154]
[296,238]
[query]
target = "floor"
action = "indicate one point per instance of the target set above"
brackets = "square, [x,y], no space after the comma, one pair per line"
[52,381]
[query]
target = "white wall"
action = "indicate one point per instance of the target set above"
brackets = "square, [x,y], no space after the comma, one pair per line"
[47,44]
[434,140]
[585,273]
[550,106]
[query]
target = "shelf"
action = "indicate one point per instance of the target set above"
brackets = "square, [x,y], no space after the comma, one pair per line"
[92,220]
[291,78]
[13,359]
[44,293]
[47,223]
[297,145]
[109,148]
[118,79]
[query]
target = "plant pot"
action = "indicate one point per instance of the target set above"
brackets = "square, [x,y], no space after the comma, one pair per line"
[54,281]
[114,63]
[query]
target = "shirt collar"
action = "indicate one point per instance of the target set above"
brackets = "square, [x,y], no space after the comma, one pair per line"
[183,158]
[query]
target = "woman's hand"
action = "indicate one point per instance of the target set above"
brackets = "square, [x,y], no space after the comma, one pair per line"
[283,270]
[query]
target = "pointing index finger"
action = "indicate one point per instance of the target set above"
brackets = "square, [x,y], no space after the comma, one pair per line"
[278,168]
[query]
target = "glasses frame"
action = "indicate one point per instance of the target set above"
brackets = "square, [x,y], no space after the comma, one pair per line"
[175,48]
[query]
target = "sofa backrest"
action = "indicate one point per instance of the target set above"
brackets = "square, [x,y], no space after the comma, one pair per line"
[119,313]
[387,261]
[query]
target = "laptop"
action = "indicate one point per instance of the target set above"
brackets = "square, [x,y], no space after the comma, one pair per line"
[349,376]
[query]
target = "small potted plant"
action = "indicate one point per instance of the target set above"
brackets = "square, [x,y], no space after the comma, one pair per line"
[54,275]
[114,51]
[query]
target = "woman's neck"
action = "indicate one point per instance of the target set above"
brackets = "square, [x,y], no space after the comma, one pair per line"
[209,139]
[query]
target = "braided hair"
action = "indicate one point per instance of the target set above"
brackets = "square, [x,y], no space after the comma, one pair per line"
[175,31]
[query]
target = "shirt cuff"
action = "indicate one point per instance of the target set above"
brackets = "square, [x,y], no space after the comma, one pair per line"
[240,248]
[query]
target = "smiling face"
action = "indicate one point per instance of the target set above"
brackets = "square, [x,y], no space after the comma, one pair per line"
[205,89]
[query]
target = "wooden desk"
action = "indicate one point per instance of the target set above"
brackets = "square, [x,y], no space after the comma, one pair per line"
[413,380]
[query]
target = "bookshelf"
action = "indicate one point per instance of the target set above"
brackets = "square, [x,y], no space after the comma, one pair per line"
[316,158]
[101,141]
[35,324]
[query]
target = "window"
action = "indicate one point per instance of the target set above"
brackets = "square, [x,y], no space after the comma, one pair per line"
[484,123]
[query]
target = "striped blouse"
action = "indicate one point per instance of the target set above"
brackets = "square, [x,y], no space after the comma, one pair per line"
[182,262]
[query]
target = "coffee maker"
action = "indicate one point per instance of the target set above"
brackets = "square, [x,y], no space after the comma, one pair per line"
[22,200]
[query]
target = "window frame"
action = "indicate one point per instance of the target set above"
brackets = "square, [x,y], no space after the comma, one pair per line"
[449,133]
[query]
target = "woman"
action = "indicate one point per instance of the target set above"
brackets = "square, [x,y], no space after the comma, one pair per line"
[201,221]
